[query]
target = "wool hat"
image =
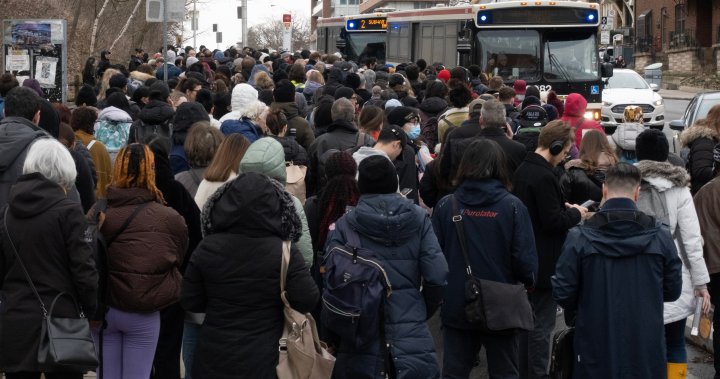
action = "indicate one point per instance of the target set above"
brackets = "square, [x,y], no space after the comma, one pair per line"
[345,92]
[377,175]
[519,86]
[392,103]
[475,106]
[118,81]
[34,85]
[170,55]
[652,145]
[533,116]
[187,114]
[284,92]
[191,61]
[401,115]
[444,75]
[159,90]
[552,112]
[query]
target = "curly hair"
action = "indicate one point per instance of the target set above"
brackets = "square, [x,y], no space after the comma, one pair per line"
[135,168]
[340,191]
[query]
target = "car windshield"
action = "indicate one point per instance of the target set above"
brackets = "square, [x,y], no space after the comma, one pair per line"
[570,56]
[626,80]
[363,45]
[511,54]
[704,108]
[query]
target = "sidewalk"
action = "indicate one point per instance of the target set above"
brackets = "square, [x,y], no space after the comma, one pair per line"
[684,93]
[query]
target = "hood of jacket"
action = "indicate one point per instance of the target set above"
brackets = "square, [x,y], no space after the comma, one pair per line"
[244,101]
[257,68]
[389,219]
[626,134]
[366,151]
[663,175]
[290,109]
[696,132]
[141,76]
[342,125]
[253,205]
[156,112]
[34,194]
[16,133]
[115,114]
[481,192]
[311,87]
[575,105]
[265,156]
[433,105]
[630,239]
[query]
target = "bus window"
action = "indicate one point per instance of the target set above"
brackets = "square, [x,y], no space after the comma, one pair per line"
[363,45]
[570,56]
[511,54]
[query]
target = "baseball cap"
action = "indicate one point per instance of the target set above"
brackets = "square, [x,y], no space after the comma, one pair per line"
[533,116]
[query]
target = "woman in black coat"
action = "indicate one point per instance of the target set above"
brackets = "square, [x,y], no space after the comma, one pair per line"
[278,125]
[701,139]
[58,259]
[233,277]
[583,178]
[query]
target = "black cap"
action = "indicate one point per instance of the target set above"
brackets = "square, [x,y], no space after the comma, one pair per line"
[533,116]
[652,145]
[377,175]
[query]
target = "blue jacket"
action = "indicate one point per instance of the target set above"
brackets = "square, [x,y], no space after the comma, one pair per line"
[178,159]
[401,234]
[614,274]
[499,239]
[2,108]
[243,126]
[173,71]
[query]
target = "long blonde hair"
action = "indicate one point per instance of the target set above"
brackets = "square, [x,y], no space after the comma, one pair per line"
[105,82]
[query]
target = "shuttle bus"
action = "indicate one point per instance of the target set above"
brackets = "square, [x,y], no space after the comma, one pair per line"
[550,44]
[357,37]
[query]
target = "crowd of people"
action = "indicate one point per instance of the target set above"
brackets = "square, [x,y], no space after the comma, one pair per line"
[461,185]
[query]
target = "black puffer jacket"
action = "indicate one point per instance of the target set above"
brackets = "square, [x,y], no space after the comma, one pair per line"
[577,184]
[701,141]
[156,112]
[234,277]
[293,151]
[60,261]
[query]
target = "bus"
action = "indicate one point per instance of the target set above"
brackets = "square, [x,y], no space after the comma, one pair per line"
[549,44]
[357,37]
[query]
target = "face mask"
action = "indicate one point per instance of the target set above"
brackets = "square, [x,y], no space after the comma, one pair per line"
[414,132]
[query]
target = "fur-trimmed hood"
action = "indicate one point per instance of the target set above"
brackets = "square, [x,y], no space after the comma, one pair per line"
[696,132]
[663,175]
[253,205]
[140,76]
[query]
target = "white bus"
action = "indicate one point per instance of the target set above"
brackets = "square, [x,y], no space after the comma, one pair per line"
[356,37]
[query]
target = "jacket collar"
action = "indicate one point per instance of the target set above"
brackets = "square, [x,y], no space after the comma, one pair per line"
[536,159]
[492,131]
[20,120]
[342,125]
[619,203]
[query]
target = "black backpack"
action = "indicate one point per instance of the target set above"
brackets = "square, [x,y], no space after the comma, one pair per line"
[155,134]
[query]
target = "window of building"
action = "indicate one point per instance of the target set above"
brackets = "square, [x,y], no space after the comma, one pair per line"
[680,18]
[422,4]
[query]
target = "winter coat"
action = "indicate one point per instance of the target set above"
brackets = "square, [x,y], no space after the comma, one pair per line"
[615,275]
[101,159]
[266,157]
[575,106]
[672,183]
[707,206]
[207,188]
[429,111]
[191,179]
[401,235]
[156,112]
[138,78]
[173,71]
[309,90]
[701,141]
[244,126]
[407,170]
[144,261]
[452,117]
[539,189]
[499,243]
[341,135]
[84,184]
[427,189]
[16,136]
[62,260]
[624,138]
[79,147]
[234,277]
[303,133]
[293,151]
[578,184]
[514,151]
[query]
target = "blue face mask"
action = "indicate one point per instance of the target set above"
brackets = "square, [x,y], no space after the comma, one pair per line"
[414,132]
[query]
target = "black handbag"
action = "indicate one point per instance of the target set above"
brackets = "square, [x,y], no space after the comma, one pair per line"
[65,343]
[495,307]
[563,354]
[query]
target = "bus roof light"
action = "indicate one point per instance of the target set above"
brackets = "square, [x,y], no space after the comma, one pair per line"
[538,3]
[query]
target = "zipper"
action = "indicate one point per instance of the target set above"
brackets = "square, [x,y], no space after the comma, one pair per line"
[335,309]
[372,263]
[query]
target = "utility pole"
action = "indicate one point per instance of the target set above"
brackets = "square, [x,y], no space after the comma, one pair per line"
[195,24]
[244,23]
[164,39]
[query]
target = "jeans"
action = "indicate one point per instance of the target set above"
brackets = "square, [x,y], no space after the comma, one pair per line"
[714,289]
[675,341]
[462,347]
[129,343]
[190,338]
[48,375]
[535,344]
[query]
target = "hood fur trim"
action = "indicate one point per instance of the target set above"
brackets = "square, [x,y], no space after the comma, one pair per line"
[663,175]
[696,132]
[137,75]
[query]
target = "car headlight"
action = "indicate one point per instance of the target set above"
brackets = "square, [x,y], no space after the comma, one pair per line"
[659,102]
[606,103]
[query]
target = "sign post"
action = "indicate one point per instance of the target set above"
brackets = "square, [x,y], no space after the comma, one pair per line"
[287,32]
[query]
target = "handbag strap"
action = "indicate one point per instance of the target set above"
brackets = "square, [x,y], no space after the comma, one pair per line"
[283,270]
[109,240]
[22,266]
[457,220]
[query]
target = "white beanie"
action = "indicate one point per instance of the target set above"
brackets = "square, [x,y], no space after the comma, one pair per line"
[191,61]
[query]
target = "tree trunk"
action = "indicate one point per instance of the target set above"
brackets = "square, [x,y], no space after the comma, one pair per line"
[95,26]
[132,15]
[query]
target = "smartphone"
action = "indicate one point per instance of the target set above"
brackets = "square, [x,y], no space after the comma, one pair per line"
[405,191]
[588,203]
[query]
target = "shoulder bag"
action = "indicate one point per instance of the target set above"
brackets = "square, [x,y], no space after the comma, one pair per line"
[495,307]
[302,355]
[65,343]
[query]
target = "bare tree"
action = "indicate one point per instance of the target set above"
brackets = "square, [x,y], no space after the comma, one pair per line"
[269,34]
[130,18]
[95,25]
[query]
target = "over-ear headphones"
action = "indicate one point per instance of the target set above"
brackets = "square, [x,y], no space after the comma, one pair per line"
[556,147]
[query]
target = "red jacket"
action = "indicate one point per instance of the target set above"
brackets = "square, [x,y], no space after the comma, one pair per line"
[575,107]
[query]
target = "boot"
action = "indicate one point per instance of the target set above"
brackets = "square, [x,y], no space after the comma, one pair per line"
[677,370]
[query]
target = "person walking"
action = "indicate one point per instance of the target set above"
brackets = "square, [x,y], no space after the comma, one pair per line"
[201,144]
[701,139]
[582,178]
[61,261]
[612,278]
[83,123]
[150,241]
[499,248]
[233,277]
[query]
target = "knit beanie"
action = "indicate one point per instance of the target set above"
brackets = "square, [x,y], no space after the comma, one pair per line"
[652,145]
[284,92]
[444,75]
[187,114]
[377,175]
[345,92]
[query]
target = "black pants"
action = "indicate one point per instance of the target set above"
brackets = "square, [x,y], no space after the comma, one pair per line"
[714,289]
[167,355]
[462,347]
[48,375]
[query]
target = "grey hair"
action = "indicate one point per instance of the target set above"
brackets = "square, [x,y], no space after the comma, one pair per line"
[342,109]
[493,114]
[52,159]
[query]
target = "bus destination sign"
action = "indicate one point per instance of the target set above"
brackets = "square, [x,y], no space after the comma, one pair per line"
[366,24]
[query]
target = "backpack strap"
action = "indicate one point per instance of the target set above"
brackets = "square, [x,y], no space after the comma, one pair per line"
[351,235]
[360,139]
[457,220]
[90,145]
[124,226]
[447,120]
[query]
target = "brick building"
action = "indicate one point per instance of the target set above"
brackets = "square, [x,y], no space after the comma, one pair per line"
[683,34]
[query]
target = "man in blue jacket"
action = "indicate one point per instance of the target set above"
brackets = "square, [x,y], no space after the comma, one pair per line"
[612,278]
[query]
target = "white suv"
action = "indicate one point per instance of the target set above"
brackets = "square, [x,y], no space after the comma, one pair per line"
[627,87]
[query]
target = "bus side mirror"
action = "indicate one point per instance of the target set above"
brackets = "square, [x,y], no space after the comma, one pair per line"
[607,70]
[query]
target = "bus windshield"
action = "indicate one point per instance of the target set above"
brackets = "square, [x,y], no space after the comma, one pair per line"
[570,57]
[362,45]
[511,54]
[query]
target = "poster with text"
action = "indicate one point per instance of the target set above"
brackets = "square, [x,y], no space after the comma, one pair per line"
[45,71]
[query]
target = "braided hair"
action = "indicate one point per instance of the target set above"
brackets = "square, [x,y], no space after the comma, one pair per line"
[135,168]
[340,191]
